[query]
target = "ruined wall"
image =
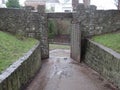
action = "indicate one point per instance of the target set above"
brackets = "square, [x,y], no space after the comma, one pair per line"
[26,23]
[103,60]
[21,72]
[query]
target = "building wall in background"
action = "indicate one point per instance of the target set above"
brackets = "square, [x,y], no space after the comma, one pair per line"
[2,3]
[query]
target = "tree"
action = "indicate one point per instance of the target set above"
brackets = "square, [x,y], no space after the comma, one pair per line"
[13,4]
[117,4]
[51,27]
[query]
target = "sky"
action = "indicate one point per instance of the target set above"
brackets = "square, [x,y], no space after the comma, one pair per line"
[104,4]
[101,4]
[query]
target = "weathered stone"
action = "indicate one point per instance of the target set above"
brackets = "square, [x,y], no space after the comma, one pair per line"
[23,71]
[104,61]
[60,15]
[26,23]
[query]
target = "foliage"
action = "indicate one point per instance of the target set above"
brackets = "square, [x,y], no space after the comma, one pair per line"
[58,28]
[109,40]
[12,48]
[13,4]
[51,27]
[55,46]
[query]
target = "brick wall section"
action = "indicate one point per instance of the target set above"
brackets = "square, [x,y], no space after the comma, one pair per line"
[21,72]
[103,60]
[26,23]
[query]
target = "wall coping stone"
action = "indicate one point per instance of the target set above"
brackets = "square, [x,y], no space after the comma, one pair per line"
[6,73]
[58,15]
[115,54]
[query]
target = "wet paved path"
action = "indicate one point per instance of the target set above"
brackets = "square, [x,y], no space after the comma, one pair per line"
[60,72]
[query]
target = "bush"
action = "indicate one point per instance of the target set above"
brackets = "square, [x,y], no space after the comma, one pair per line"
[51,27]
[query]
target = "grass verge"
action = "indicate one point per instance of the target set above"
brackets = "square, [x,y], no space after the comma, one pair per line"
[109,40]
[11,49]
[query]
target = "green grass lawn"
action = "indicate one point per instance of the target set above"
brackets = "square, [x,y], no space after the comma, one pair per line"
[109,40]
[11,49]
[55,46]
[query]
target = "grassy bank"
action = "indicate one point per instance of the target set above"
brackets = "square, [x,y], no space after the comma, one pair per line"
[109,40]
[11,49]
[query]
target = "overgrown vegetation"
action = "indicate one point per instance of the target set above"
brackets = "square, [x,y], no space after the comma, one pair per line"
[109,40]
[55,46]
[12,48]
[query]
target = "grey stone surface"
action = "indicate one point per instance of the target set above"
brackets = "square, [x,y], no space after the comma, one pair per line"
[95,22]
[60,15]
[26,23]
[103,60]
[75,42]
[20,73]
[60,72]
[86,22]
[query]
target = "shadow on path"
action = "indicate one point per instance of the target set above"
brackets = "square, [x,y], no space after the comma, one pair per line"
[60,72]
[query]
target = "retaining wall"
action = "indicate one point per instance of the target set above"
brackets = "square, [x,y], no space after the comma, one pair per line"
[20,72]
[95,22]
[20,21]
[25,22]
[103,60]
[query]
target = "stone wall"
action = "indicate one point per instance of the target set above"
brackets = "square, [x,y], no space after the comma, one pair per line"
[26,23]
[21,72]
[94,22]
[103,60]
[13,20]
[59,15]
[44,31]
